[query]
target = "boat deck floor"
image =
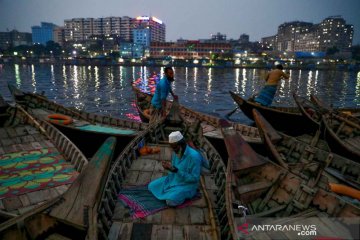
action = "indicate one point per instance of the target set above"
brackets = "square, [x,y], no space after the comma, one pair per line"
[190,222]
[32,170]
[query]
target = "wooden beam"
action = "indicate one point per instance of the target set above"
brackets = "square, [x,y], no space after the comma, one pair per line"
[241,155]
[86,190]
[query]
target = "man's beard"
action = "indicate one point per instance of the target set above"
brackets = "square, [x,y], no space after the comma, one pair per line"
[171,79]
[178,151]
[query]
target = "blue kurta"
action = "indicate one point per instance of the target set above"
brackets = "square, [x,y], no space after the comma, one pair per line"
[162,91]
[183,184]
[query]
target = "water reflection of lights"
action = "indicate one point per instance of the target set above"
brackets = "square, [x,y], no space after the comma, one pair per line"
[357,91]
[243,82]
[186,80]
[33,77]
[133,74]
[281,89]
[97,81]
[308,83]
[17,74]
[64,76]
[76,79]
[209,80]
[195,80]
[237,79]
[52,75]
[121,78]
[316,81]
[133,116]
[344,87]
[111,77]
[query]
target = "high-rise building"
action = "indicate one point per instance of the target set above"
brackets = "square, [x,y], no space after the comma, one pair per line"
[82,29]
[307,42]
[156,26]
[88,28]
[334,32]
[302,36]
[98,26]
[74,29]
[244,38]
[42,34]
[111,26]
[126,27]
[269,42]
[142,36]
[289,33]
[218,37]
[59,35]
[14,38]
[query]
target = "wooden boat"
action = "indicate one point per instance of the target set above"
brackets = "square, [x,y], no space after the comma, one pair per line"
[209,124]
[3,107]
[307,156]
[340,129]
[342,135]
[84,125]
[286,119]
[37,162]
[260,192]
[71,215]
[355,112]
[313,109]
[200,220]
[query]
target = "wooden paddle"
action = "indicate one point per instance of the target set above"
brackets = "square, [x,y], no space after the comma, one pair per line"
[227,116]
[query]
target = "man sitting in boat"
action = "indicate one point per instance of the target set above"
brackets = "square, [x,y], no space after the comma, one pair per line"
[183,180]
[163,88]
[272,79]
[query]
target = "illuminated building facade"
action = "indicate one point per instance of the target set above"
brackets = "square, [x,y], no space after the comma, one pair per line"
[82,29]
[156,26]
[188,49]
[308,37]
[42,34]
[333,31]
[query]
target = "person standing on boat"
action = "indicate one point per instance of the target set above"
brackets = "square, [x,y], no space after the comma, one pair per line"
[272,79]
[183,180]
[163,88]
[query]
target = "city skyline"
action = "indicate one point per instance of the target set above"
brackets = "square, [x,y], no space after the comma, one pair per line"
[186,19]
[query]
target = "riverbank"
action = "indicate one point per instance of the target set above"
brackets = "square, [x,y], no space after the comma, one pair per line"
[304,64]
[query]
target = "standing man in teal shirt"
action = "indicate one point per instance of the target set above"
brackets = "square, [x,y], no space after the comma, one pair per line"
[163,88]
[182,182]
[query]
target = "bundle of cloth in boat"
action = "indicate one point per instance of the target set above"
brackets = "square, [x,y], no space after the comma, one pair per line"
[145,150]
[175,189]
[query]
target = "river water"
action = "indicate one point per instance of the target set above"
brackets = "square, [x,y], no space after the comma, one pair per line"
[107,89]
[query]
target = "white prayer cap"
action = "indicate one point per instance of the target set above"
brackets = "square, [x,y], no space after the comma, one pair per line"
[175,137]
[277,63]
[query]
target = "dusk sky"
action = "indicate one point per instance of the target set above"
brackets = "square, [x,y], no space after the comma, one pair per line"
[189,19]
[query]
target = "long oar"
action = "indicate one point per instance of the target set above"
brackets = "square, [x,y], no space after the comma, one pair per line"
[231,113]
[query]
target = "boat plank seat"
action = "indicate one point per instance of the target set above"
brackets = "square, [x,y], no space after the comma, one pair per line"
[253,187]
[354,142]
[57,236]
[271,211]
[213,134]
